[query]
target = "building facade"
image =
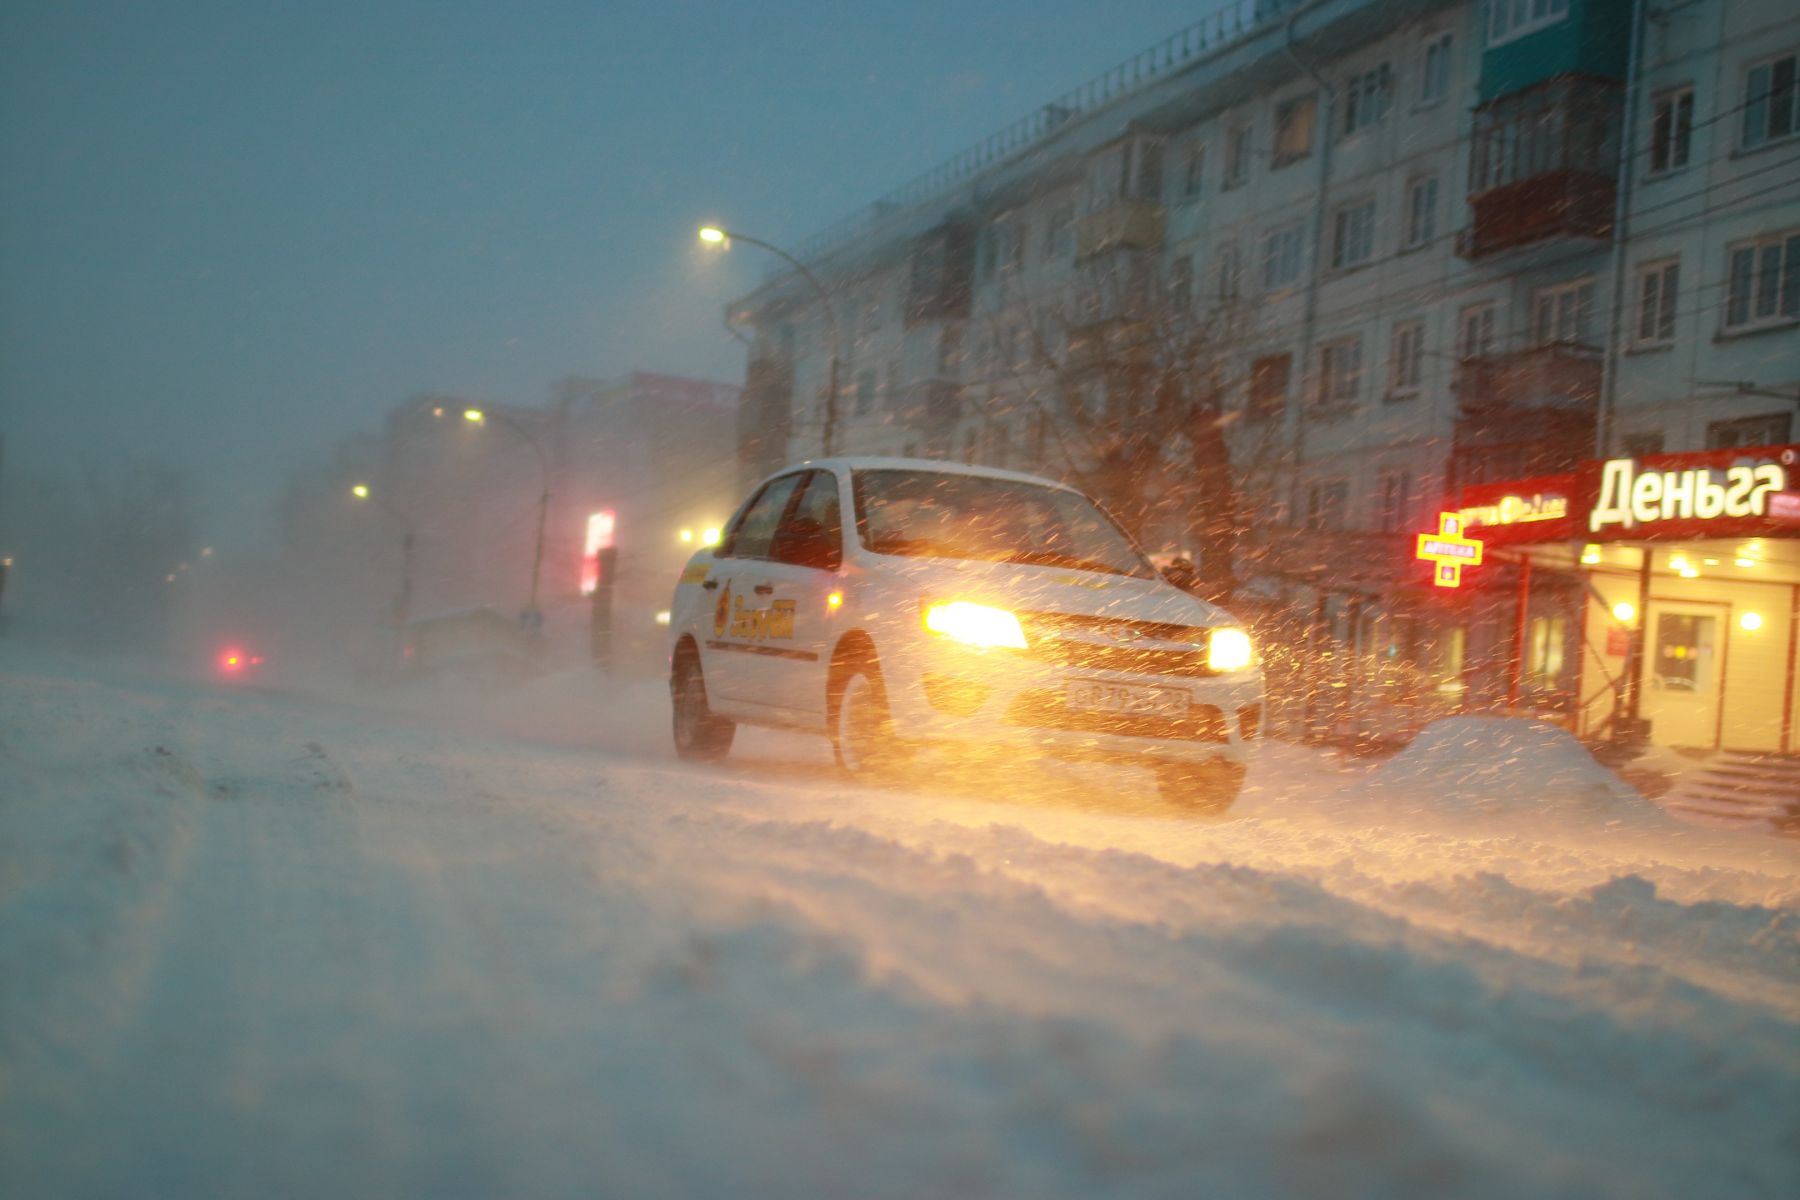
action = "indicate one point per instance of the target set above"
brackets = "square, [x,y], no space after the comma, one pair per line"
[1364,255]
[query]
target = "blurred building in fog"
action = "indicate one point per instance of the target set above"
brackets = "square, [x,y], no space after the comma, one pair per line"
[450,518]
[1363,253]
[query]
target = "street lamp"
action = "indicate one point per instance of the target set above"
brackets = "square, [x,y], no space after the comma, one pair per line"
[476,416]
[713,235]
[403,602]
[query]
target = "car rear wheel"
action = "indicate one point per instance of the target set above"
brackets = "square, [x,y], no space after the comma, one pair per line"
[1209,788]
[701,735]
[862,729]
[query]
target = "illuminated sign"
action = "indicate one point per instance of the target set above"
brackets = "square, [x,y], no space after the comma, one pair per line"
[1513,509]
[1632,497]
[1449,551]
[600,527]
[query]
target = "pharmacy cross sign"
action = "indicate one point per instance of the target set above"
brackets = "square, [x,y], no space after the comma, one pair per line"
[1450,550]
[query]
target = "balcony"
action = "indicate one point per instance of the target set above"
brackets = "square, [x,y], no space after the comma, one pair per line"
[1558,375]
[1121,225]
[1109,342]
[1543,165]
[1525,414]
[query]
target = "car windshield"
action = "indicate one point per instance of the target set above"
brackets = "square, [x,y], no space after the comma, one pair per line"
[933,514]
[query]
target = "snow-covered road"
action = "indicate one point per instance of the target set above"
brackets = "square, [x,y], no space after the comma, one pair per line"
[256,944]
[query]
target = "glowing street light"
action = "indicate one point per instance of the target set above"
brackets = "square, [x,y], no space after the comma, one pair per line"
[474,416]
[1624,612]
[713,235]
[360,491]
[402,602]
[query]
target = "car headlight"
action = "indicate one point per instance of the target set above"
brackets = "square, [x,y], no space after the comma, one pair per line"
[1228,650]
[975,624]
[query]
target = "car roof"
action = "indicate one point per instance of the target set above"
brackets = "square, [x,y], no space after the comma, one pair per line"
[870,462]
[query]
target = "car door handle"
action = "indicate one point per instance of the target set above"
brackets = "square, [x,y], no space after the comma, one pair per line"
[763,589]
[710,584]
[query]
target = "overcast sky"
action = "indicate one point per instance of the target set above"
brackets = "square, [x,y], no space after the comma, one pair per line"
[233,232]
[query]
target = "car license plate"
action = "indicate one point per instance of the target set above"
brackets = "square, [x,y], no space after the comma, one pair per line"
[1099,696]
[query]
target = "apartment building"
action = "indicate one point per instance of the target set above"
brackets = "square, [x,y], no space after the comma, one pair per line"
[1385,252]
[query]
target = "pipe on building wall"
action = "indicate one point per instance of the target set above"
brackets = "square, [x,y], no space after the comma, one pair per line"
[1309,318]
[1621,309]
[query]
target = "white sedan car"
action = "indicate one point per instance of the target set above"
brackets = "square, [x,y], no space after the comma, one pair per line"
[895,603]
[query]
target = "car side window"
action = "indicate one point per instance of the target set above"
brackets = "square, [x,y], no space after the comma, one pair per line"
[813,535]
[755,530]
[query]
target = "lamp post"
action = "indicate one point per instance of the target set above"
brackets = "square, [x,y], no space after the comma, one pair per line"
[713,235]
[402,602]
[476,416]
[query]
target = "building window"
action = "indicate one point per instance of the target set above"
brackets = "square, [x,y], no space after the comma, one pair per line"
[1294,130]
[1193,171]
[1394,492]
[1671,130]
[1237,156]
[1658,285]
[1563,314]
[1434,70]
[1353,235]
[1059,232]
[1771,101]
[1281,257]
[1325,504]
[1269,388]
[1181,284]
[1475,332]
[1641,445]
[865,393]
[1340,373]
[1406,359]
[1763,287]
[1366,98]
[1772,429]
[1509,19]
[949,356]
[1230,272]
[1421,211]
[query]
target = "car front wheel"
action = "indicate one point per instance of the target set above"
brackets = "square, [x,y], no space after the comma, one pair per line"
[1208,788]
[862,729]
[701,735]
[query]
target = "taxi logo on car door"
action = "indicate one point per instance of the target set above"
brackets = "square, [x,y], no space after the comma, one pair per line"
[722,612]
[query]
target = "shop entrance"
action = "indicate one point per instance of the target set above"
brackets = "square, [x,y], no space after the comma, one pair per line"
[1684,672]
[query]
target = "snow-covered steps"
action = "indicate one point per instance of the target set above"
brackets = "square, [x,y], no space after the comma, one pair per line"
[1743,787]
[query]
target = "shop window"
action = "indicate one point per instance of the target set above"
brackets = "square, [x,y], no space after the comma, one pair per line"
[1685,642]
[1544,651]
[1769,430]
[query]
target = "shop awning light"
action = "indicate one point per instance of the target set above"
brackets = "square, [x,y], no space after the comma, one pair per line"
[1590,554]
[1750,622]
[1624,612]
[1745,562]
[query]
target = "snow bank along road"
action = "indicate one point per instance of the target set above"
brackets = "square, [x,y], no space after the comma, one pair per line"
[260,945]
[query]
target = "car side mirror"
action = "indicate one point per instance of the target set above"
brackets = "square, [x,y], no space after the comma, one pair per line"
[807,543]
